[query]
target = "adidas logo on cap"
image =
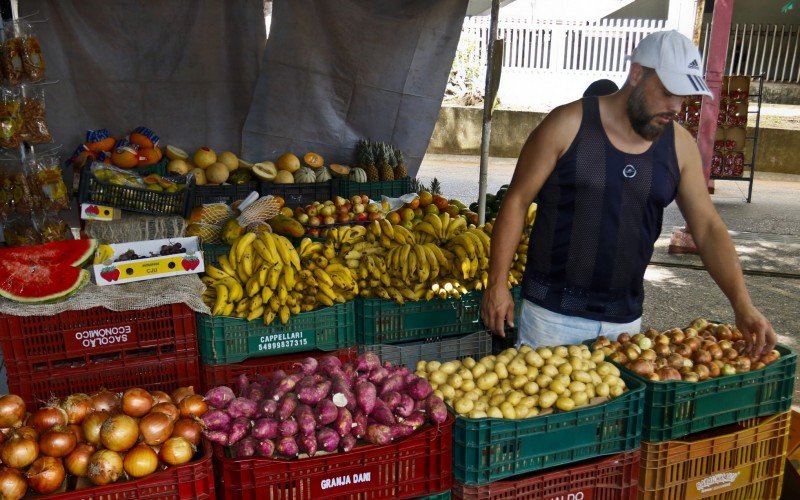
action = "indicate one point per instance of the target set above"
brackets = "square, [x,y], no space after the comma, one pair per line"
[694,65]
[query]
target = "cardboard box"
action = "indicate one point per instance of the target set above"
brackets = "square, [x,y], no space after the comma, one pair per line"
[111,272]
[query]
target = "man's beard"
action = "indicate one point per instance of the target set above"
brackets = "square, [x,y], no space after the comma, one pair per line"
[641,121]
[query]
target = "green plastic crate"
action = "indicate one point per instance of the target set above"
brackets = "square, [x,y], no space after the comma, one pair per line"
[475,345]
[387,322]
[231,340]
[676,409]
[391,189]
[445,495]
[211,253]
[490,449]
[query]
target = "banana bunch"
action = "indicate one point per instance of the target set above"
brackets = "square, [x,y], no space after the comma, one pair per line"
[520,259]
[439,228]
[257,279]
[471,248]
[342,236]
[445,289]
[417,263]
[324,279]
[388,235]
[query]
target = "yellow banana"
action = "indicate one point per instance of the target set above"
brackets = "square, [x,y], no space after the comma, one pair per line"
[456,226]
[269,241]
[273,275]
[232,254]
[221,301]
[445,223]
[274,303]
[289,277]
[422,263]
[226,266]
[294,257]
[262,251]
[246,259]
[284,314]
[241,245]
[324,299]
[269,317]
[261,276]
[328,250]
[228,309]
[255,313]
[323,278]
[266,294]
[215,272]
[256,302]
[242,306]
[436,223]
[282,293]
[252,287]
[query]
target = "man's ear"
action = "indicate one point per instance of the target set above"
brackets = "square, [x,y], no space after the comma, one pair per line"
[636,74]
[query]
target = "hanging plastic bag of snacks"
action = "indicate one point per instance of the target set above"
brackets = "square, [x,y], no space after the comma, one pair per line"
[11,53]
[34,124]
[10,117]
[16,188]
[51,227]
[46,178]
[32,60]
[19,230]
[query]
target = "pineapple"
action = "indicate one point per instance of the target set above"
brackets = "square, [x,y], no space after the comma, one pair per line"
[369,163]
[385,167]
[400,171]
[435,188]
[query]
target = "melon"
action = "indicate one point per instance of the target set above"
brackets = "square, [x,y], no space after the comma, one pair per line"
[67,252]
[323,175]
[217,173]
[358,175]
[305,175]
[284,177]
[288,162]
[29,282]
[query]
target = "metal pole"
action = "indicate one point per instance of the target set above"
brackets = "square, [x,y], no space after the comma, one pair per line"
[488,103]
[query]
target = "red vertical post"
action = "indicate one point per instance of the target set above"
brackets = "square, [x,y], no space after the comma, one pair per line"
[715,70]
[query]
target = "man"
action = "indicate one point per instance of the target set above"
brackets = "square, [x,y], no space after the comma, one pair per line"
[603,169]
[600,87]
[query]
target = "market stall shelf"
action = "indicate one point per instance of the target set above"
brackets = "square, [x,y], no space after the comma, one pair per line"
[476,345]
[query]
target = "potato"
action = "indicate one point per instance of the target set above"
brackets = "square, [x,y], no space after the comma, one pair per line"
[576,363]
[494,412]
[547,399]
[468,385]
[576,386]
[521,411]
[574,351]
[586,354]
[591,365]
[506,385]
[477,414]
[432,366]
[525,349]
[481,405]
[454,380]
[519,381]
[465,373]
[434,386]
[530,388]
[448,391]
[497,399]
[590,391]
[487,381]
[544,352]
[517,367]
[469,363]
[532,373]
[474,394]
[564,379]
[438,377]
[449,367]
[598,356]
[488,362]
[567,393]
[611,380]
[582,376]
[596,379]
[421,365]
[503,359]
[510,352]
[534,359]
[602,389]
[556,361]
[508,410]
[549,370]
[565,404]
[478,370]
[580,398]
[544,381]
[617,390]
[458,394]
[561,351]
[439,393]
[464,406]
[604,368]
[565,369]
[533,412]
[557,387]
[514,397]
[501,370]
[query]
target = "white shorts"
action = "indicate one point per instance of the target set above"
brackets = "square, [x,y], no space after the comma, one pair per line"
[541,327]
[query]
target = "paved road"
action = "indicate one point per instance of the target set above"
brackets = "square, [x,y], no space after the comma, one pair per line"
[766,234]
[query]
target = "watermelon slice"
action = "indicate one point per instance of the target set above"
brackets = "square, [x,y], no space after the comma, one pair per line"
[67,252]
[23,281]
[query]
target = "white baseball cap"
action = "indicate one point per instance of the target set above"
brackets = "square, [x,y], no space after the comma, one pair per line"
[675,59]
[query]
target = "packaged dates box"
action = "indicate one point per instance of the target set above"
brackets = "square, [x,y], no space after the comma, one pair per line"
[145,260]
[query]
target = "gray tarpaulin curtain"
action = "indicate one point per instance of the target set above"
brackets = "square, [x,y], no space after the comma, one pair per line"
[337,71]
[184,68]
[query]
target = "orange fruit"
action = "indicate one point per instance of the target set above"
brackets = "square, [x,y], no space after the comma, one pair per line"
[425,198]
[102,145]
[124,158]
[149,156]
[143,137]
[393,217]
[414,203]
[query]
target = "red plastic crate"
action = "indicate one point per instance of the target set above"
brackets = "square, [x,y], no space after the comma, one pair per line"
[615,477]
[77,338]
[214,375]
[194,480]
[165,370]
[417,466]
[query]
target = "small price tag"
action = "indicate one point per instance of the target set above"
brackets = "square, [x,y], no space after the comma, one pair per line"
[90,211]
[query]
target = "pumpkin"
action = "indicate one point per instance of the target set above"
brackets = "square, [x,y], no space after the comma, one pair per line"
[323,175]
[339,170]
[313,160]
[305,175]
[358,175]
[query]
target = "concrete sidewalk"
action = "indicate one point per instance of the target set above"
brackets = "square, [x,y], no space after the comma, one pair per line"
[766,233]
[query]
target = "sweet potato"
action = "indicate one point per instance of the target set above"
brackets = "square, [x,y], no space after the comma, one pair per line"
[327,439]
[242,407]
[219,397]
[216,420]
[359,424]
[288,427]
[314,394]
[378,375]
[382,414]
[287,446]
[286,385]
[406,406]
[305,419]
[244,448]
[216,437]
[326,412]
[286,406]
[347,443]
[307,365]
[267,407]
[344,422]
[242,383]
[265,448]
[265,428]
[308,444]
[419,389]
[366,395]
[274,380]
[255,392]
[416,419]
[392,399]
[378,434]
[400,431]
[395,383]
[341,386]
[437,411]
[239,428]
[368,362]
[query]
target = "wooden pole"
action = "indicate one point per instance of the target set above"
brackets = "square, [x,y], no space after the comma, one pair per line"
[488,103]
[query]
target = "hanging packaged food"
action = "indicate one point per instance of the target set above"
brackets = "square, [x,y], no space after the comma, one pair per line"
[16,188]
[10,117]
[34,124]
[32,60]
[47,180]
[51,227]
[11,54]
[19,230]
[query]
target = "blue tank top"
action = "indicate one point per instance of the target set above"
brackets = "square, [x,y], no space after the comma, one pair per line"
[599,215]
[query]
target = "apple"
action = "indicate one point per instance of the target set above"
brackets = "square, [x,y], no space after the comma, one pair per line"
[358,207]
[328,203]
[418,213]
[375,216]
[314,231]
[299,211]
[362,217]
[343,218]
[312,211]
[303,218]
[407,224]
[314,221]
[373,208]
[329,220]
[327,210]
[342,209]
[406,214]
[339,201]
[316,203]
[365,199]
[356,199]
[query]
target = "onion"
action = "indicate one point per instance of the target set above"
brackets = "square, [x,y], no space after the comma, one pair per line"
[678,336]
[19,452]
[730,353]
[713,369]
[119,433]
[702,371]
[675,361]
[77,462]
[46,475]
[668,373]
[13,485]
[105,467]
[160,397]
[684,350]
[176,451]
[12,410]
[693,343]
[77,430]
[189,430]
[180,393]
[642,367]
[715,351]
[58,441]
[623,338]
[105,400]
[701,356]
[155,428]
[722,332]
[662,350]
[648,354]
[167,409]
[193,406]
[140,461]
[28,432]
[77,406]
[91,426]
[136,402]
[46,417]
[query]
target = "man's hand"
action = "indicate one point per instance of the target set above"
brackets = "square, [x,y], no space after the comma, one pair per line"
[497,308]
[757,331]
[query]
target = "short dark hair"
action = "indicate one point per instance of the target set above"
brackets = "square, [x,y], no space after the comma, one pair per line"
[600,87]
